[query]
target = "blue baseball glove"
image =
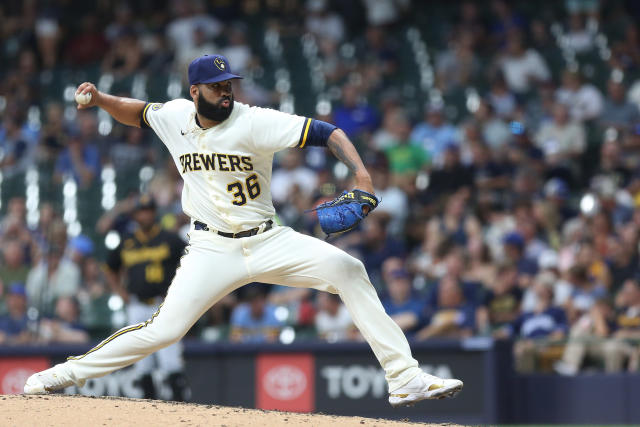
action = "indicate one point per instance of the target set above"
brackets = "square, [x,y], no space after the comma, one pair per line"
[346,211]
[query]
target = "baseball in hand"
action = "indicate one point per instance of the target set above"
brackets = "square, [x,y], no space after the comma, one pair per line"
[83,98]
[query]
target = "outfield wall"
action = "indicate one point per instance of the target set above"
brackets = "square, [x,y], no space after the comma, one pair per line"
[345,379]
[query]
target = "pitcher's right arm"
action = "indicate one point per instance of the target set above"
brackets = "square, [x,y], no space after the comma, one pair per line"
[127,111]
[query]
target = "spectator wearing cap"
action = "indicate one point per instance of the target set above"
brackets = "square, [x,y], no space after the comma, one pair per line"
[254,320]
[332,320]
[399,300]
[501,302]
[14,326]
[556,193]
[534,329]
[434,133]
[514,246]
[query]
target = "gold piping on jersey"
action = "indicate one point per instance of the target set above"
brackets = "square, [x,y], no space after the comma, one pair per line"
[306,132]
[117,334]
[144,114]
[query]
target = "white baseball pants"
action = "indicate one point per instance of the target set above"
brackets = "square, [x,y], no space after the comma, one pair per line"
[215,265]
[168,359]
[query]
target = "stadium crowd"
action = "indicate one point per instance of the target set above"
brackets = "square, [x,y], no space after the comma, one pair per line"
[514,214]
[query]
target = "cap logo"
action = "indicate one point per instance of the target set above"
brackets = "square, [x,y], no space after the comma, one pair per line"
[220,64]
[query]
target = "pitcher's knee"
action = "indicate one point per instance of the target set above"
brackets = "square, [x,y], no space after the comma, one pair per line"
[170,335]
[346,267]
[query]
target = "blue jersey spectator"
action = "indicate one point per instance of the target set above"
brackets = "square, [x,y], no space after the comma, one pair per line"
[354,117]
[80,160]
[14,325]
[434,134]
[254,320]
[399,302]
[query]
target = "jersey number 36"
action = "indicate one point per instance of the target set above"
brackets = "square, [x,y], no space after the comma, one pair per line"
[238,192]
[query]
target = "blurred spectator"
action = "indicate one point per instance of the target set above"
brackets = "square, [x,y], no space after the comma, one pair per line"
[385,12]
[14,325]
[501,99]
[399,301]
[333,322]
[588,339]
[376,245]
[131,154]
[584,100]
[13,268]
[292,173]
[64,327]
[322,22]
[578,37]
[254,319]
[53,277]
[238,51]
[396,202]
[458,66]
[522,67]
[78,160]
[495,131]
[618,112]
[453,316]
[501,305]
[89,44]
[354,117]
[562,140]
[451,176]
[124,57]
[189,15]
[16,152]
[535,329]
[585,292]
[434,134]
[623,344]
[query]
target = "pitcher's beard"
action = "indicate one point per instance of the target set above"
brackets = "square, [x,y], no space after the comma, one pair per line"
[215,112]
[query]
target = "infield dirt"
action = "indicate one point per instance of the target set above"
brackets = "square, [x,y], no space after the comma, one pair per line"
[70,411]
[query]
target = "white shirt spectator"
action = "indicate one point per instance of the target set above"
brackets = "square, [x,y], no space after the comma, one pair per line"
[584,103]
[562,140]
[283,180]
[334,328]
[519,71]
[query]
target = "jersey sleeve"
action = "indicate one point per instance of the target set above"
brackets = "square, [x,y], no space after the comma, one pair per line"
[273,130]
[165,119]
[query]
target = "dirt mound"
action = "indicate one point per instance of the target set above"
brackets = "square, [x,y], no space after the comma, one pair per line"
[68,411]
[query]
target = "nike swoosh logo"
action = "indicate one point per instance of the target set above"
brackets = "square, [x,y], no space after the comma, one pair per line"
[183,132]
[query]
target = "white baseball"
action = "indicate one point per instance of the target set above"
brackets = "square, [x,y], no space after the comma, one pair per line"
[83,98]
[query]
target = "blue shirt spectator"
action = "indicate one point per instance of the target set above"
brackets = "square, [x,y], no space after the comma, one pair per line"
[400,303]
[14,325]
[255,320]
[434,135]
[80,160]
[354,117]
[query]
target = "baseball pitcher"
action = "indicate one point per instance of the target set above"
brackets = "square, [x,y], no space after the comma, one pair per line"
[224,151]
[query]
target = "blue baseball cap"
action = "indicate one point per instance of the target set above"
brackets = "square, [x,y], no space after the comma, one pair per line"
[210,69]
[17,288]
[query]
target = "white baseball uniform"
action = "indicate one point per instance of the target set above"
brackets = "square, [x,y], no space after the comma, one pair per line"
[227,171]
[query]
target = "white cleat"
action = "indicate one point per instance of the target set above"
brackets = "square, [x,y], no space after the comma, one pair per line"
[51,379]
[424,386]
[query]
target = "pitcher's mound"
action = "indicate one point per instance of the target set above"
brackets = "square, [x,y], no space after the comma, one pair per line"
[68,411]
